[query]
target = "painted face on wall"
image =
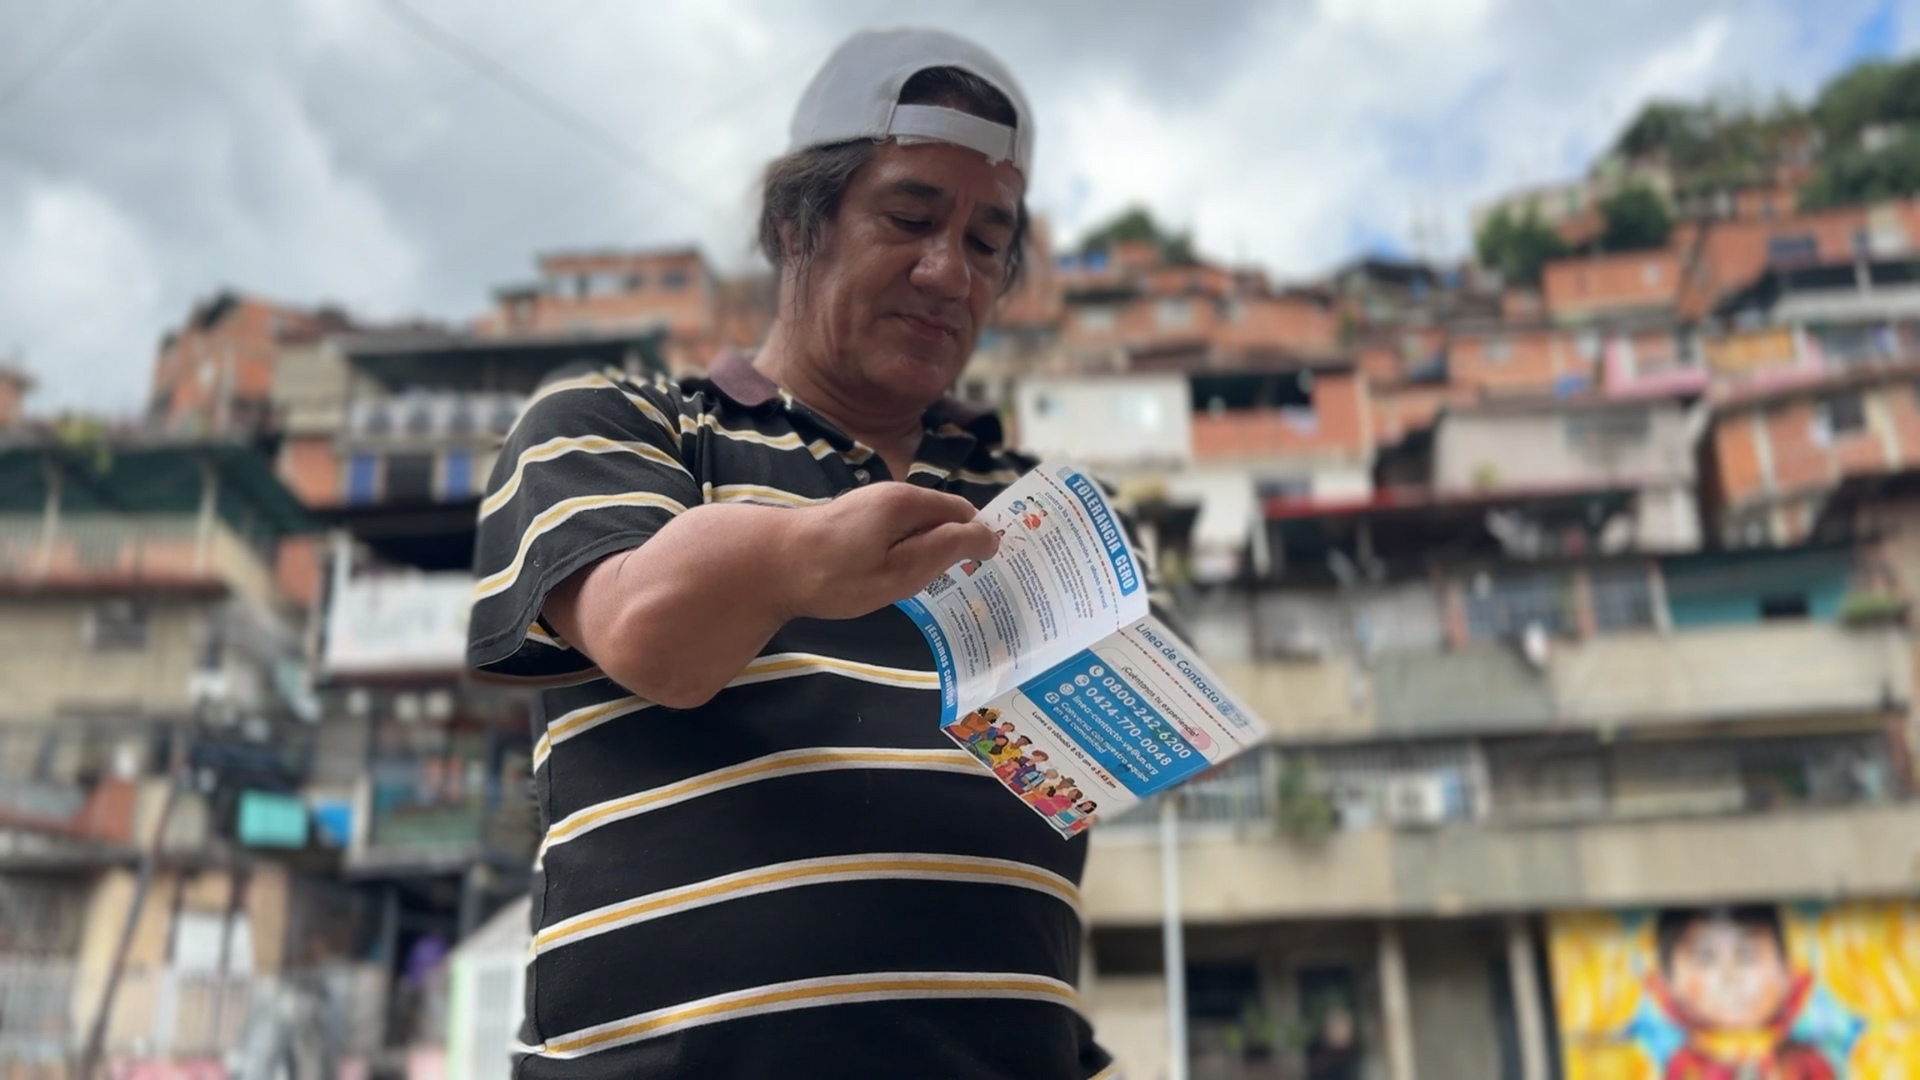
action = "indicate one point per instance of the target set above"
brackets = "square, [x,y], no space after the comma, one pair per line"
[1729,975]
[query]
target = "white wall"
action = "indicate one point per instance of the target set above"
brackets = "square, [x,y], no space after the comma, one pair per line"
[1105,421]
[1493,450]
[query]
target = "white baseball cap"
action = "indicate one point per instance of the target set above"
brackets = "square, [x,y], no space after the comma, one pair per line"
[856,95]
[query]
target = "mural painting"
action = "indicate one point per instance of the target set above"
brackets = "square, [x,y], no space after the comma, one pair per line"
[1791,992]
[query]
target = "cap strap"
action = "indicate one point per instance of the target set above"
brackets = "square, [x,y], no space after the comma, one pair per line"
[941,124]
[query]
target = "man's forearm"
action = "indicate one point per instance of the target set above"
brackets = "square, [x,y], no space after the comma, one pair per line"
[675,619]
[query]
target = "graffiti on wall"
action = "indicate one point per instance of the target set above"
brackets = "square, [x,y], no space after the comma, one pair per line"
[1821,992]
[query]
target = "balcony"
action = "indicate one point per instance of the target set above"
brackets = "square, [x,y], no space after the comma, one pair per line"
[399,624]
[1639,679]
[440,814]
[127,552]
[1255,872]
[78,795]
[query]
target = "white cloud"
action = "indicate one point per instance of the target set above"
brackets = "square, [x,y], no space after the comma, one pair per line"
[322,151]
[78,282]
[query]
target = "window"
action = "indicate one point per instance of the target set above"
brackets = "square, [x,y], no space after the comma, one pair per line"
[363,479]
[1222,991]
[1096,319]
[1234,310]
[1173,312]
[1839,415]
[1499,350]
[1862,246]
[636,282]
[456,474]
[673,279]
[1045,405]
[379,421]
[420,419]
[1622,598]
[1793,247]
[116,624]
[583,286]
[1606,428]
[504,414]
[1650,273]
[1785,606]
[1500,608]
[409,478]
[461,420]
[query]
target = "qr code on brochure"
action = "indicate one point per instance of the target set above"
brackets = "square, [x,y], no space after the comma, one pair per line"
[939,586]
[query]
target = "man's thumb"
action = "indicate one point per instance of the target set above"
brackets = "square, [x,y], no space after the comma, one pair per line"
[926,554]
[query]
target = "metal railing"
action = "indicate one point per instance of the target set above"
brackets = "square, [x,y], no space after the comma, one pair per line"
[248,1021]
[89,549]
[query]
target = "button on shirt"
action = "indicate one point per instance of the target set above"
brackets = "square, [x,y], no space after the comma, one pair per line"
[803,876]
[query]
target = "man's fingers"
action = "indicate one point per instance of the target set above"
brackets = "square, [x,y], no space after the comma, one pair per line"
[917,509]
[924,555]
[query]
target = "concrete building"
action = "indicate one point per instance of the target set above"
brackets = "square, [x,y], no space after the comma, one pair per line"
[1496,768]
[156,714]
[214,374]
[1778,449]
[588,293]
[389,439]
[1593,443]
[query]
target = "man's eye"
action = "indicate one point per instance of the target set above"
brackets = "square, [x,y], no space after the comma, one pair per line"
[982,246]
[909,224]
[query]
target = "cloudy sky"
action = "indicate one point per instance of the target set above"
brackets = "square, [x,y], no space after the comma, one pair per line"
[337,150]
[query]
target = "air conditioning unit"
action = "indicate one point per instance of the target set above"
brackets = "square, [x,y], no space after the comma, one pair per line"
[1416,799]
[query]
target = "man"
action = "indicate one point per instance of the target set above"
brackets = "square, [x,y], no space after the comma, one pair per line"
[756,835]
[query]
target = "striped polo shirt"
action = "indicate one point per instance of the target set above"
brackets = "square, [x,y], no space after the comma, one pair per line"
[804,876]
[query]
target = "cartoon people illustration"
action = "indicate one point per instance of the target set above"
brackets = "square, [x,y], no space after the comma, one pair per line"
[973,725]
[969,566]
[1032,518]
[1013,768]
[1009,751]
[1725,978]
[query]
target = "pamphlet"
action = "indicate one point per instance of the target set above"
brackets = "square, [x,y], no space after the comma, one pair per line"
[1054,674]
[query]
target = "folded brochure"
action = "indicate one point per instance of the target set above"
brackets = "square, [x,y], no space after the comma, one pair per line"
[1054,674]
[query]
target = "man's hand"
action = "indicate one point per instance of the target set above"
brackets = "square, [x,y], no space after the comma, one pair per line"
[875,545]
[676,618]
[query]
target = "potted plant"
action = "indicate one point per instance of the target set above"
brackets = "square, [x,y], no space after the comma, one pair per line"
[1302,805]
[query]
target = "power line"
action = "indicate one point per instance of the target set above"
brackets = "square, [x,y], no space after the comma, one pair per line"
[90,21]
[583,128]
[752,94]
[536,35]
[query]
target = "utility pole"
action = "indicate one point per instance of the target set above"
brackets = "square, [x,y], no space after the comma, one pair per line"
[1173,947]
[95,1050]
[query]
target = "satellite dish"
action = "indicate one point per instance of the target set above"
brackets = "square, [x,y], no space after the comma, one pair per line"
[1536,645]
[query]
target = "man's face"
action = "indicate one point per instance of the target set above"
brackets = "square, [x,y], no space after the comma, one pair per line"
[1730,976]
[910,267]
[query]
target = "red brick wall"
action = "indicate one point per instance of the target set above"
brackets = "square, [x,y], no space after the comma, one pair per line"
[1801,462]
[1339,403]
[311,470]
[1604,283]
[1280,322]
[1534,360]
[1736,459]
[234,356]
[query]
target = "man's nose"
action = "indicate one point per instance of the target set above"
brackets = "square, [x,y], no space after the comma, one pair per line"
[942,269]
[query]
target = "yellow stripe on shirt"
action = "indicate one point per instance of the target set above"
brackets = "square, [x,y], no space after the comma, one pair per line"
[903,866]
[553,517]
[771,766]
[810,993]
[553,449]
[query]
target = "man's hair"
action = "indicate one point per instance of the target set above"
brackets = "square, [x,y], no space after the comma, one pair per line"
[1674,923]
[802,190]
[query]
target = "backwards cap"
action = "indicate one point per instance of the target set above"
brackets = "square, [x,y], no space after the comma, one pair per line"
[856,95]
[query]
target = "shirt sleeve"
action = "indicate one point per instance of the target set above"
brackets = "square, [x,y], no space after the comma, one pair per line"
[593,467]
